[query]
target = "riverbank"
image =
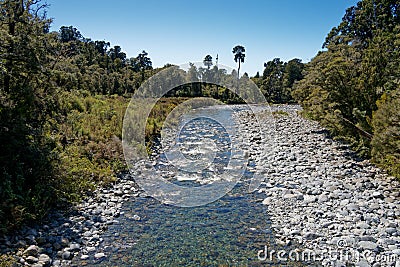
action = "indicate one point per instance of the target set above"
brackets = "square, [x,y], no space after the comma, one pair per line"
[315,194]
[321,196]
[77,233]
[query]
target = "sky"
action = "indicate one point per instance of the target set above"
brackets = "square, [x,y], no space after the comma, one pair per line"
[179,31]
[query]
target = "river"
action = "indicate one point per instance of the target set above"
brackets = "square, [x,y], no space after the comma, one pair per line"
[228,232]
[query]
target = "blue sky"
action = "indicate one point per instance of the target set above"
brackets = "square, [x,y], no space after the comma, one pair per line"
[179,31]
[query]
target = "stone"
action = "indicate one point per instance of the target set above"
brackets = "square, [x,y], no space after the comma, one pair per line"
[309,199]
[267,201]
[290,196]
[74,247]
[41,240]
[377,194]
[32,231]
[57,246]
[391,230]
[344,202]
[31,259]
[99,255]
[118,193]
[44,259]
[396,252]
[32,250]
[311,236]
[87,234]
[352,207]
[90,249]
[363,263]
[363,225]
[295,232]
[67,255]
[64,242]
[322,198]
[368,238]
[367,245]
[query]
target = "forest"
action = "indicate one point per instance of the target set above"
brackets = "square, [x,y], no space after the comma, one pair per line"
[63,97]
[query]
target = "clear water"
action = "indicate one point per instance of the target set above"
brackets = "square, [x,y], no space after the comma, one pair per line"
[227,232]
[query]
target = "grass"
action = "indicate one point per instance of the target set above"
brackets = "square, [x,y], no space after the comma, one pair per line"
[280,113]
[7,260]
[89,139]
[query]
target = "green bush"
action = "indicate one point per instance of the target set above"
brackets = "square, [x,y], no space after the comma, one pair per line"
[386,141]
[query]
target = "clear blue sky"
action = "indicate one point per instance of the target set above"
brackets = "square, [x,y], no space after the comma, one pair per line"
[177,32]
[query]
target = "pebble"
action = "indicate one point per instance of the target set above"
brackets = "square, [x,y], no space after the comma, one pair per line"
[31,259]
[62,237]
[313,184]
[344,199]
[67,255]
[74,247]
[44,259]
[99,255]
[31,251]
[367,245]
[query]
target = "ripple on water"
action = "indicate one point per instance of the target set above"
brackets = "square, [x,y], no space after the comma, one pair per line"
[227,232]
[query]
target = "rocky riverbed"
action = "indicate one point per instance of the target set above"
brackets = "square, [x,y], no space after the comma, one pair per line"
[73,234]
[320,199]
[321,196]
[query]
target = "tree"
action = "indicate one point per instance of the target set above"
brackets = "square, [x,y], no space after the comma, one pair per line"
[193,77]
[239,51]
[26,97]
[361,22]
[68,34]
[360,66]
[102,46]
[208,61]
[293,72]
[116,52]
[272,84]
[141,63]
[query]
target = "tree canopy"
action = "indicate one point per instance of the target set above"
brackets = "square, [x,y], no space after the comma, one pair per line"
[239,55]
[350,85]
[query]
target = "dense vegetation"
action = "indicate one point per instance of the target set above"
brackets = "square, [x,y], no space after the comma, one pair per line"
[278,79]
[62,101]
[353,86]
[63,98]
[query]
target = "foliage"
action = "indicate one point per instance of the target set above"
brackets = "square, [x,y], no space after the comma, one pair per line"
[25,105]
[349,86]
[89,142]
[278,79]
[208,61]
[58,139]
[239,54]
[7,261]
[79,63]
[386,140]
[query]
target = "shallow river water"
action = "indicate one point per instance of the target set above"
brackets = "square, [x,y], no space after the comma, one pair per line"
[227,232]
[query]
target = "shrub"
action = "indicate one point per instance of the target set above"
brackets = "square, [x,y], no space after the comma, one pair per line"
[386,140]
